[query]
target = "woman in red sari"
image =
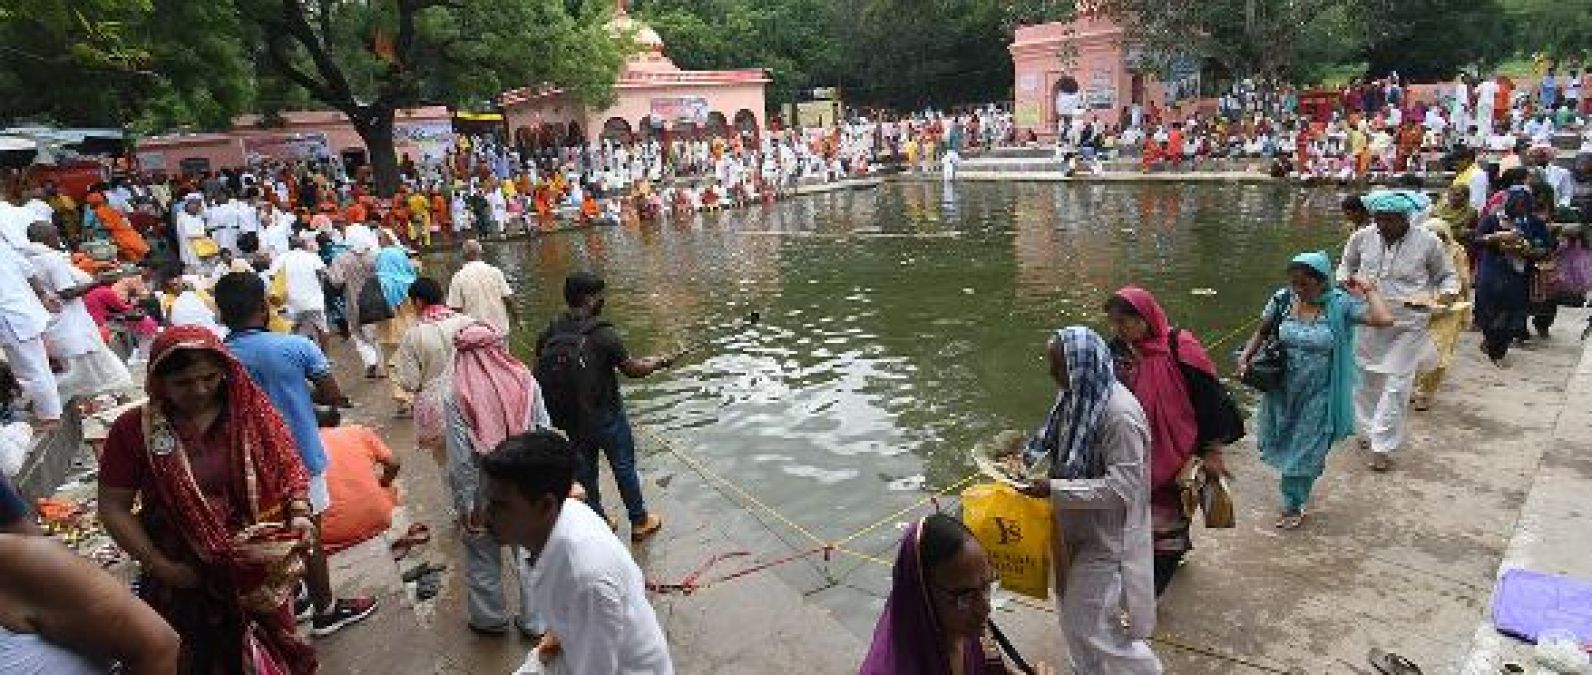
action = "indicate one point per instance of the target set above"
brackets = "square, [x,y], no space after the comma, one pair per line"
[210,458]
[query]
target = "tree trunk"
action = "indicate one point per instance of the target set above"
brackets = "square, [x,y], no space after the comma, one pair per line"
[377,133]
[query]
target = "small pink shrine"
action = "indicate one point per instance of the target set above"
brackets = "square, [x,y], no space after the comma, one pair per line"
[653,97]
[1093,50]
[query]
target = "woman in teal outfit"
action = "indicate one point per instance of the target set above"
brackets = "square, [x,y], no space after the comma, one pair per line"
[1314,409]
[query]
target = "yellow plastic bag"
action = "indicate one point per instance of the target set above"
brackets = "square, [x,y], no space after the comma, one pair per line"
[1016,531]
[205,247]
[276,302]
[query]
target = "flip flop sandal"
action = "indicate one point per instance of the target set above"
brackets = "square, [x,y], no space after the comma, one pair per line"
[421,570]
[427,586]
[1291,521]
[1389,663]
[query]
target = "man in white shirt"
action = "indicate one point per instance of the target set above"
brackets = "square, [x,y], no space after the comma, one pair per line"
[276,238]
[1557,177]
[190,224]
[480,290]
[582,579]
[306,299]
[1407,264]
[91,367]
[25,308]
[224,223]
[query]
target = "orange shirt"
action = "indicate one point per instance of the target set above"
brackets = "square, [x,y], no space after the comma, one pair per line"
[361,508]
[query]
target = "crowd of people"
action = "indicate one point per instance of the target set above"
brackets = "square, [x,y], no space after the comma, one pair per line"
[1376,129]
[232,480]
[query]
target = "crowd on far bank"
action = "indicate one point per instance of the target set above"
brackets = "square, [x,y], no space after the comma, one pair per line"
[1374,129]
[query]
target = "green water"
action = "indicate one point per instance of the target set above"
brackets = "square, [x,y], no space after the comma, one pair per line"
[899,327]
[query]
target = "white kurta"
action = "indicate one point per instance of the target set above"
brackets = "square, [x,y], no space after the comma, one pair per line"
[1104,525]
[1417,265]
[189,228]
[594,598]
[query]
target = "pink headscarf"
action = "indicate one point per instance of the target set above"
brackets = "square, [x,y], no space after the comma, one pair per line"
[496,394]
[1158,383]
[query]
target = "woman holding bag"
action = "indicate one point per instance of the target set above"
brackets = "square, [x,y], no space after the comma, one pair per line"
[1181,396]
[1098,440]
[1313,409]
[212,463]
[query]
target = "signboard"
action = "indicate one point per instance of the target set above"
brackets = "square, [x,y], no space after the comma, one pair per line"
[1101,91]
[1183,79]
[814,114]
[306,146]
[152,161]
[693,109]
[432,138]
[1029,115]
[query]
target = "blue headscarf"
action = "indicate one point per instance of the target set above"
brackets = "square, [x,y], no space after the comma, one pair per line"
[1406,202]
[1344,373]
[395,273]
[1070,430]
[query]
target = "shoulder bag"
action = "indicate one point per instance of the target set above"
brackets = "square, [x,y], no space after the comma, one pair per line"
[1269,364]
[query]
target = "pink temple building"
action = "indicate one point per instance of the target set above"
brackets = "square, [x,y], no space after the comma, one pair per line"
[653,96]
[418,133]
[1094,51]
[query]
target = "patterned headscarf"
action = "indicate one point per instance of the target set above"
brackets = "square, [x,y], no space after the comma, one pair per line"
[1071,428]
[1406,202]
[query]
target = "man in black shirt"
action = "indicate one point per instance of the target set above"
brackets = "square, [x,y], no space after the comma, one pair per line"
[576,360]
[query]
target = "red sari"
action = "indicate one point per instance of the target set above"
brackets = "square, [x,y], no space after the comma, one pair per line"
[200,489]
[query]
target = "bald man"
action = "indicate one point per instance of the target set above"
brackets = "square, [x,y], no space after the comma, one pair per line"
[480,290]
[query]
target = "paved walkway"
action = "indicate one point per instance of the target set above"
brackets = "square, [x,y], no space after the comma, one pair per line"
[1404,561]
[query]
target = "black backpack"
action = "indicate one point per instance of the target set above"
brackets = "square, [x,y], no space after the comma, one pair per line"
[569,371]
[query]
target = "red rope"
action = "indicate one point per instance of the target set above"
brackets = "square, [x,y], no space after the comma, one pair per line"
[693,582]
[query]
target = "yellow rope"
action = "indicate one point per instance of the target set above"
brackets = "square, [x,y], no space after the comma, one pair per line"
[913,507]
[702,469]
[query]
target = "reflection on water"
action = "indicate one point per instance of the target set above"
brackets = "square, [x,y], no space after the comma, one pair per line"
[899,325]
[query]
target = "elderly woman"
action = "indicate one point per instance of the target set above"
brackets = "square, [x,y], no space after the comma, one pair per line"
[351,271]
[1098,439]
[937,618]
[395,272]
[209,458]
[1314,409]
[491,396]
[1181,395]
[1448,320]
[424,364]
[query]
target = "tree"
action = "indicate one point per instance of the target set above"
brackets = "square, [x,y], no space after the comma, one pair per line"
[369,59]
[1243,37]
[1428,40]
[796,41]
[72,62]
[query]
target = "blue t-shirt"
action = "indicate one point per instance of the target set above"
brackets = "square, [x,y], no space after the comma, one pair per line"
[283,366]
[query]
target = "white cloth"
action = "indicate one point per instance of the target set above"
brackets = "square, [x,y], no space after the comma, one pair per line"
[277,239]
[593,597]
[31,366]
[189,228]
[224,224]
[360,238]
[1563,184]
[20,310]
[1478,186]
[16,439]
[96,372]
[1104,524]
[189,310]
[1417,265]
[14,222]
[481,291]
[1381,403]
[26,653]
[72,331]
[42,211]
[303,270]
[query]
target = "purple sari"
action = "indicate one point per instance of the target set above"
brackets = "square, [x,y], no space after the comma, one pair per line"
[907,639]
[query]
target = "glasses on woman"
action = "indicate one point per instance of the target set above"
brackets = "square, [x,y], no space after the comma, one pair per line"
[963,599]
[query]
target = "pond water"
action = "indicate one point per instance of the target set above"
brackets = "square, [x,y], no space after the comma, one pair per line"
[899,327]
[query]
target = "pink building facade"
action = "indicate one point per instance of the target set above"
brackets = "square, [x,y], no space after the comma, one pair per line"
[311,134]
[1092,50]
[653,96]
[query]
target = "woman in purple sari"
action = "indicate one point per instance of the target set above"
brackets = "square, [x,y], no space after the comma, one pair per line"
[936,621]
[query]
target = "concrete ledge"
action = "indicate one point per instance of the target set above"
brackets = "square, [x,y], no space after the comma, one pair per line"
[1550,535]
